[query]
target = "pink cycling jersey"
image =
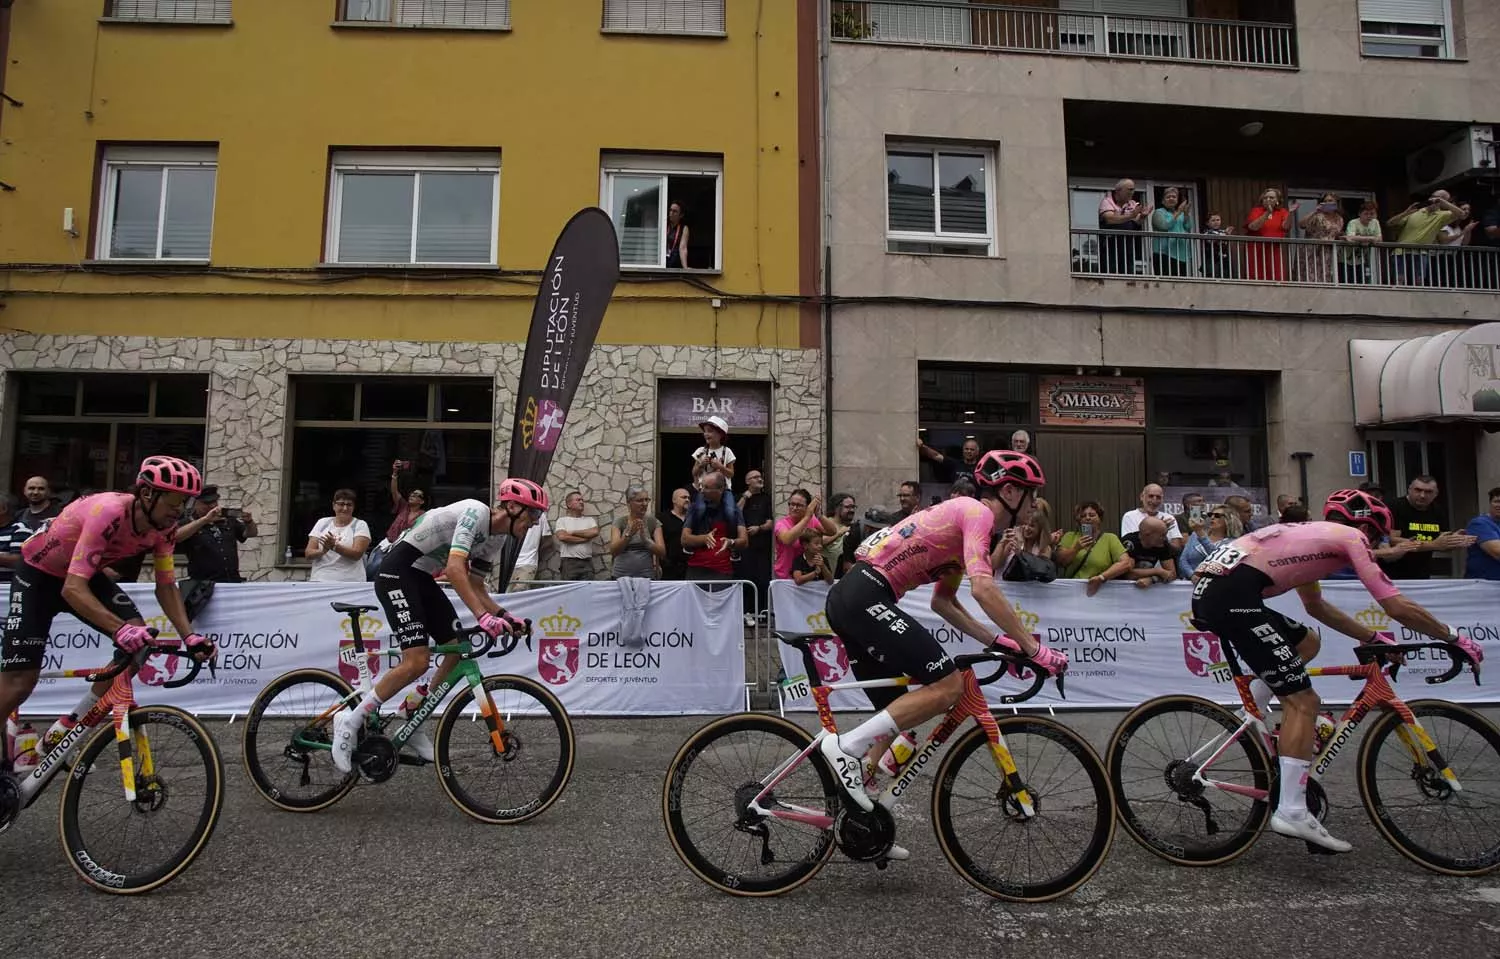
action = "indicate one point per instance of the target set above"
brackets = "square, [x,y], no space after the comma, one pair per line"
[93,532]
[939,543]
[1295,554]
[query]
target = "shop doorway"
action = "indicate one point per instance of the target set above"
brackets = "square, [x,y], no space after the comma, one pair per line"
[1105,467]
[675,468]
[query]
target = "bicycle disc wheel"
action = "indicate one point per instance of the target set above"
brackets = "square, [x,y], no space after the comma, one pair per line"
[709,784]
[1455,832]
[122,846]
[1152,757]
[513,786]
[287,732]
[980,826]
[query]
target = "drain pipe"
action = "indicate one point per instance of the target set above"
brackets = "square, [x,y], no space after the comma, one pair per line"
[825,285]
[1301,457]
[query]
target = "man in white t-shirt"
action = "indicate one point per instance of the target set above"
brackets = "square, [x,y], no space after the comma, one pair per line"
[575,535]
[529,558]
[1151,499]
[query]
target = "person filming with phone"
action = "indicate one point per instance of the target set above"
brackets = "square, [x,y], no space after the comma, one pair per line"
[1089,550]
[211,543]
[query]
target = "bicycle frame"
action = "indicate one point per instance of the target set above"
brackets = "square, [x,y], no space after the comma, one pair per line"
[970,703]
[1376,694]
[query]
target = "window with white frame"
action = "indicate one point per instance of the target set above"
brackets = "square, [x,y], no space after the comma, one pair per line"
[940,199]
[475,14]
[661,204]
[429,208]
[157,203]
[1406,28]
[181,11]
[664,16]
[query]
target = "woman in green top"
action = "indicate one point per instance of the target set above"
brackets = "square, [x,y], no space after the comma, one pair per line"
[1090,549]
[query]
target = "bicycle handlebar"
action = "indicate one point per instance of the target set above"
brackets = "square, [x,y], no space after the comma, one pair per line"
[1010,663]
[508,641]
[139,657]
[1457,656]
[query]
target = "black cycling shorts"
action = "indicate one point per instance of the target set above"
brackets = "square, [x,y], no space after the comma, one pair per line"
[35,600]
[414,603]
[882,641]
[1233,608]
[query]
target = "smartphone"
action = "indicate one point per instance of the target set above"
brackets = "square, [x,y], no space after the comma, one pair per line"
[1087,529]
[1195,514]
[229,513]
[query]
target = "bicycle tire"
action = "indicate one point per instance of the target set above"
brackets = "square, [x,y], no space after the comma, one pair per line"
[1378,805]
[88,864]
[1101,822]
[458,786]
[261,776]
[1137,818]
[697,860]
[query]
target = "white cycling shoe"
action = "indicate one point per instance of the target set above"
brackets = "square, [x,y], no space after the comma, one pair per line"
[345,731]
[850,771]
[1306,827]
[897,853]
[421,744]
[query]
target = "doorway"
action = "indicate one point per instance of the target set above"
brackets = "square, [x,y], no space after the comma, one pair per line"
[674,469]
[1106,467]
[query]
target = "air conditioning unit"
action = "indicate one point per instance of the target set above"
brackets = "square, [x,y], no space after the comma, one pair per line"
[1469,152]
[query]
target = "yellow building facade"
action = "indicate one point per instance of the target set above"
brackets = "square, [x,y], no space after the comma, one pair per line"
[297,241]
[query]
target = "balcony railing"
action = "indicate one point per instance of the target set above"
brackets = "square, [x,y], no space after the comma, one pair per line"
[1035,30]
[1250,259]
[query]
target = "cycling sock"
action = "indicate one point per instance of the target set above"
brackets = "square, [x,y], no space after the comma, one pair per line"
[859,739]
[85,704]
[1293,786]
[1261,693]
[367,706]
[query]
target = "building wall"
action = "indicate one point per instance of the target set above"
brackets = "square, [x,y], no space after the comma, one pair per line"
[610,442]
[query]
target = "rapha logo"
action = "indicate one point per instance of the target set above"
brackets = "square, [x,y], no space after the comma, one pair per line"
[1202,653]
[369,627]
[542,424]
[557,655]
[159,669]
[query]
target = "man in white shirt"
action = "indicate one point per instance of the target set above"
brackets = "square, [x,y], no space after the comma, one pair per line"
[576,534]
[1151,499]
[539,535]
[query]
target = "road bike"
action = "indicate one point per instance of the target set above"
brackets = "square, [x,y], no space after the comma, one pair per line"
[170,769]
[752,808]
[504,770]
[1196,783]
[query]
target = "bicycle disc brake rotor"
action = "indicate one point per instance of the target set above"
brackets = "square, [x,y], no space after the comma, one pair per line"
[864,836]
[376,758]
[1431,783]
[150,793]
[513,746]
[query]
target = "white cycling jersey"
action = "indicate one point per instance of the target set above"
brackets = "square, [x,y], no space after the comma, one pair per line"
[463,527]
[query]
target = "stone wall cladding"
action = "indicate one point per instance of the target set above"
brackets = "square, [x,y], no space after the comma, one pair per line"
[609,442]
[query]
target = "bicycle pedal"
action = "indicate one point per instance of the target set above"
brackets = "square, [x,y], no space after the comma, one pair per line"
[411,759]
[1313,849]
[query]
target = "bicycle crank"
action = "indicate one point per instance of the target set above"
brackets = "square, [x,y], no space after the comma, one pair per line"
[865,836]
[376,758]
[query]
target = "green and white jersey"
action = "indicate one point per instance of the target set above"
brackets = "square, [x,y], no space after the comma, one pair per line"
[462,527]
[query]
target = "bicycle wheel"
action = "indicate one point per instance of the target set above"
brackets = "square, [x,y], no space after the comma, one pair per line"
[120,846]
[1455,832]
[1024,860]
[520,783]
[289,726]
[709,784]
[1152,757]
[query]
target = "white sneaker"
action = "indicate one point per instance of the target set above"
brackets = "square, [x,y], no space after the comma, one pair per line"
[850,771]
[1306,827]
[897,853]
[421,744]
[345,730]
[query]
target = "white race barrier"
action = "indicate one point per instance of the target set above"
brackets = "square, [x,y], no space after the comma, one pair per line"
[693,660]
[1127,645]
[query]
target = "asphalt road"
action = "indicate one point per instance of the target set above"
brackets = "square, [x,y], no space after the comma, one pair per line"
[396,869]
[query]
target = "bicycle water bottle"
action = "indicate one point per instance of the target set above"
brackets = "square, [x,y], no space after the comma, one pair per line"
[24,749]
[55,734]
[900,751]
[412,701]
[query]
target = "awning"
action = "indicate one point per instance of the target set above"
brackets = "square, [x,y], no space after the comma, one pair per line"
[1449,377]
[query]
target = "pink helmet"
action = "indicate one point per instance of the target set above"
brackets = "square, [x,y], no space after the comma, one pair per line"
[1358,508]
[171,475]
[998,467]
[522,491]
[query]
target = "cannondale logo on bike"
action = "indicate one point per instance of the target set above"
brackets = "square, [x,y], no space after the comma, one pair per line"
[913,770]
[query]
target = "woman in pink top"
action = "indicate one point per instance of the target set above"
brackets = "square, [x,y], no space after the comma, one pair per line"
[1265,261]
[803,515]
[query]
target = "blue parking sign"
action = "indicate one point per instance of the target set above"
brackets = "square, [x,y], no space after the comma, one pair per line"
[1357,465]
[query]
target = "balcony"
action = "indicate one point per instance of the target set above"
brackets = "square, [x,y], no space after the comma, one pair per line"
[982,25]
[1285,262]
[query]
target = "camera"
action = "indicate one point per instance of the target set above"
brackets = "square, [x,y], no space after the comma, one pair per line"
[879,517]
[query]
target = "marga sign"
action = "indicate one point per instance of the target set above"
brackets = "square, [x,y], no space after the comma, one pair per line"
[1093,401]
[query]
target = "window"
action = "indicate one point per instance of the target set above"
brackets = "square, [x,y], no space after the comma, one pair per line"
[641,191]
[87,433]
[1131,28]
[939,200]
[472,14]
[182,11]
[346,432]
[1204,425]
[440,208]
[1084,196]
[1405,28]
[665,16]
[157,203]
